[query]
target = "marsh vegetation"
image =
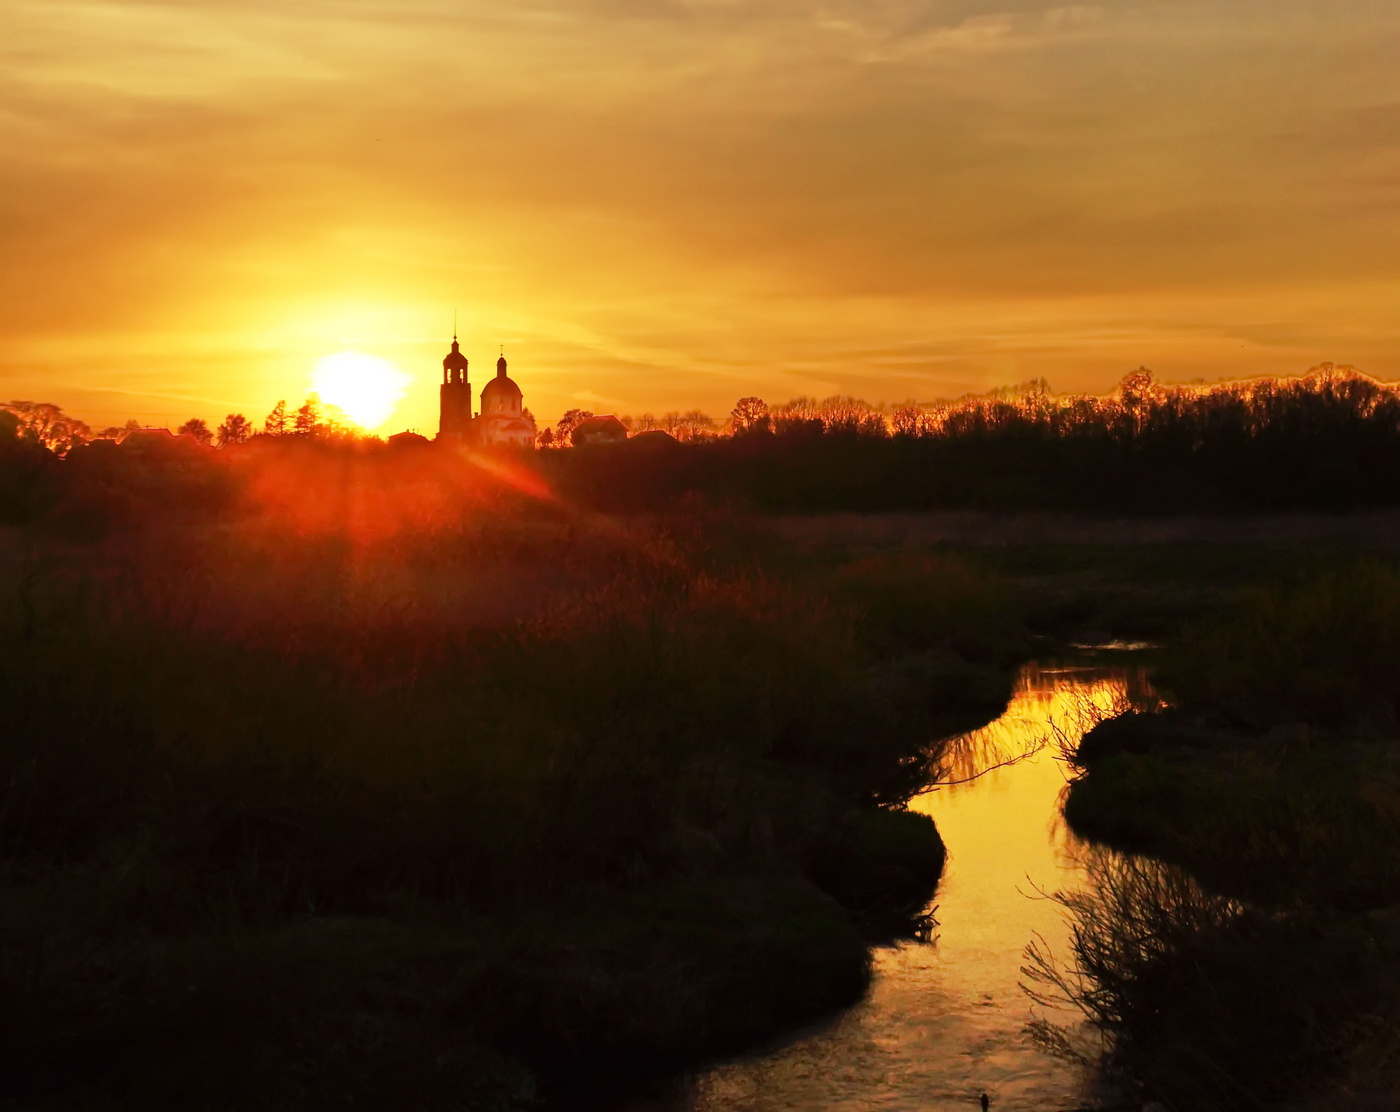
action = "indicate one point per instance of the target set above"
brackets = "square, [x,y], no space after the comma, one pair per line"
[1248,958]
[349,772]
[353,775]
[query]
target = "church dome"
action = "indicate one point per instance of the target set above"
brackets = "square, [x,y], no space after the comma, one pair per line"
[502,387]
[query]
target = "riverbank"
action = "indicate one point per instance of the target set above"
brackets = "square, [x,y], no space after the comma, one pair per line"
[1116,590]
[945,1021]
[1250,958]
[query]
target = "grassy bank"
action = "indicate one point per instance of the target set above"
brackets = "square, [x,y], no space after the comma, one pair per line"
[1083,579]
[1270,978]
[363,782]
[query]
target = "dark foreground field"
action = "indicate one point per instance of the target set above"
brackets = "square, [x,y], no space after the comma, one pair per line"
[364,785]
[340,777]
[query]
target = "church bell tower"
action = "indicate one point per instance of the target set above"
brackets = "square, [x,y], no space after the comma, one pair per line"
[455,409]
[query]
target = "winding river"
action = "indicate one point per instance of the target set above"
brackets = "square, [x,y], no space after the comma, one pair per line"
[946,1021]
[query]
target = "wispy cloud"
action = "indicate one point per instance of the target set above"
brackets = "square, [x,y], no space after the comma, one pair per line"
[668,199]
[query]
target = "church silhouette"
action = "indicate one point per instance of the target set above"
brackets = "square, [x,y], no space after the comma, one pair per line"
[503,418]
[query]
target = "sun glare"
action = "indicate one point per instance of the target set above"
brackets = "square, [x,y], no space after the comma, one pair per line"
[365,387]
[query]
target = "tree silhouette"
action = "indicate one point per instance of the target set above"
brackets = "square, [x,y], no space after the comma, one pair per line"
[308,418]
[47,424]
[844,413]
[236,429]
[563,431]
[910,420]
[694,422]
[276,422]
[750,414]
[197,429]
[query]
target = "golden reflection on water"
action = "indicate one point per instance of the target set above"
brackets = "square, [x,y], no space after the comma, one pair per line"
[946,1021]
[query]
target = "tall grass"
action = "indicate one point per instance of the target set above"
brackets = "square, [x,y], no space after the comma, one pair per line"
[463,751]
[1308,822]
[1323,648]
[1280,746]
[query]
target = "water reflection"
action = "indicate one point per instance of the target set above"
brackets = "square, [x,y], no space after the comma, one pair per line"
[1053,705]
[946,1021]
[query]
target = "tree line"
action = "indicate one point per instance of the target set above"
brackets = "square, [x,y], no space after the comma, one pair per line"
[47,425]
[1329,440]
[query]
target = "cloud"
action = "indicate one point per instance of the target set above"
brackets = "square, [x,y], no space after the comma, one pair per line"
[677,194]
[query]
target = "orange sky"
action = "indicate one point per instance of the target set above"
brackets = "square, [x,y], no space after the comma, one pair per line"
[662,204]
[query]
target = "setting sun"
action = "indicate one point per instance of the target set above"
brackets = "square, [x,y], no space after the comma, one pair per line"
[365,387]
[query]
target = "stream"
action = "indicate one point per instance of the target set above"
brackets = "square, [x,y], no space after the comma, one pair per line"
[946,1021]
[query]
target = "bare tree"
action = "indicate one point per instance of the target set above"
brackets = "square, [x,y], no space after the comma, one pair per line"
[1138,394]
[910,419]
[801,408]
[696,423]
[845,412]
[750,414]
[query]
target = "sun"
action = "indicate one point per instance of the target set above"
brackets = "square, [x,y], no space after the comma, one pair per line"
[364,387]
